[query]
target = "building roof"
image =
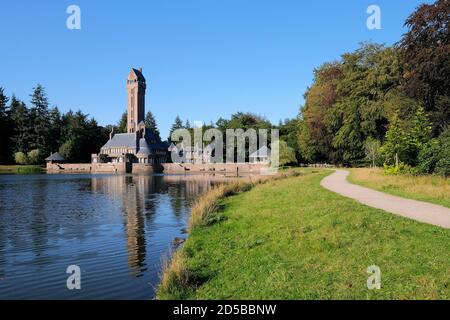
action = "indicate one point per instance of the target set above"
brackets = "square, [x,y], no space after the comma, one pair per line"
[122,140]
[262,152]
[138,74]
[55,157]
[144,150]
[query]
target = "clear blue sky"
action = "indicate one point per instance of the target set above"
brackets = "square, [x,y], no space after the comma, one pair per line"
[202,58]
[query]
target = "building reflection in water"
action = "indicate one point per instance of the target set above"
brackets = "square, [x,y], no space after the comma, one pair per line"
[136,193]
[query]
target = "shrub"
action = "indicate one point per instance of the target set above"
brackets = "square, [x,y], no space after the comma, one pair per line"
[20,158]
[435,156]
[402,168]
[34,157]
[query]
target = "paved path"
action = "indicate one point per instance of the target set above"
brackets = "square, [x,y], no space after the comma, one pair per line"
[417,210]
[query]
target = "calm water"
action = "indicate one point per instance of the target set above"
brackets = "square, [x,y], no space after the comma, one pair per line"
[117,229]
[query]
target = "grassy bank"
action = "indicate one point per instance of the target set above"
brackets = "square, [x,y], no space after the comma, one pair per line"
[433,189]
[25,169]
[292,239]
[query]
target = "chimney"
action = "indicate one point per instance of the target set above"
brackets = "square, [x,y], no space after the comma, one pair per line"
[111,134]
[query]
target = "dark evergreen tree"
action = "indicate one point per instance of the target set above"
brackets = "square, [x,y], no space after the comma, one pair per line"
[150,122]
[40,118]
[178,124]
[21,132]
[55,129]
[122,125]
[5,128]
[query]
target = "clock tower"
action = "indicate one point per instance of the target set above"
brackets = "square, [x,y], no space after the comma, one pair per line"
[136,87]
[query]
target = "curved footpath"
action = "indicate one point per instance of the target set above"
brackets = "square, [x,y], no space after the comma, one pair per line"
[413,209]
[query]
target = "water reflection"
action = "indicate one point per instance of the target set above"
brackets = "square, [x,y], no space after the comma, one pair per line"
[116,228]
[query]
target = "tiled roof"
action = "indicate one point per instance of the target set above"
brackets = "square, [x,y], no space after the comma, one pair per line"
[122,140]
[55,157]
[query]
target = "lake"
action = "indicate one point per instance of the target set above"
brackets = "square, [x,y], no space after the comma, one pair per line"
[118,229]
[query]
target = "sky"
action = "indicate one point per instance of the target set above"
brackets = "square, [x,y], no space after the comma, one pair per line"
[203,59]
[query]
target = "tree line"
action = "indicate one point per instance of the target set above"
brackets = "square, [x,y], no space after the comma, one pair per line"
[288,147]
[375,106]
[385,105]
[30,133]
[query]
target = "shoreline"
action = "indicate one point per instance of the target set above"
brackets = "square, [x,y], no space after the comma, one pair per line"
[293,239]
[204,213]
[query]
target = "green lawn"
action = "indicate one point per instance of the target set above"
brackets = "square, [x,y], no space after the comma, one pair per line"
[432,189]
[292,239]
[17,169]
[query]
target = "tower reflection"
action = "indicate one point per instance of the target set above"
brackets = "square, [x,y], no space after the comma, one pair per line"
[140,198]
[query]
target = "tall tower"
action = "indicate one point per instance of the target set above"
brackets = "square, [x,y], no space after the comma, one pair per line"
[136,99]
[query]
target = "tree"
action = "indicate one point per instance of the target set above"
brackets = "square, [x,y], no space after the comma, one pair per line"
[5,127]
[34,157]
[289,131]
[40,117]
[178,124]
[435,155]
[67,150]
[187,125]
[122,126]
[287,154]
[425,51]
[20,158]
[394,143]
[21,125]
[150,122]
[55,129]
[417,136]
[372,150]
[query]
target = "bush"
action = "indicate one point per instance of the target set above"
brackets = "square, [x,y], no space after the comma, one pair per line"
[402,168]
[34,157]
[20,158]
[434,158]
[67,149]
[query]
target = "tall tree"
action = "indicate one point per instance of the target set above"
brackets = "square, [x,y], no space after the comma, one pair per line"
[55,129]
[40,120]
[426,54]
[21,126]
[150,122]
[122,125]
[5,127]
[178,124]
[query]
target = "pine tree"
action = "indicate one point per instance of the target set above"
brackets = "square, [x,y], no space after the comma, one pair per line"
[55,129]
[123,123]
[395,141]
[40,120]
[178,124]
[150,122]
[187,125]
[21,126]
[4,127]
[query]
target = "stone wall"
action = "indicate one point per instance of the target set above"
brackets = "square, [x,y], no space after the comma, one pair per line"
[86,167]
[233,168]
[141,168]
[146,168]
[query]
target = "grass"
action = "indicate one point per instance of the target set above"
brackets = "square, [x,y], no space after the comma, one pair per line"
[21,169]
[432,189]
[292,239]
